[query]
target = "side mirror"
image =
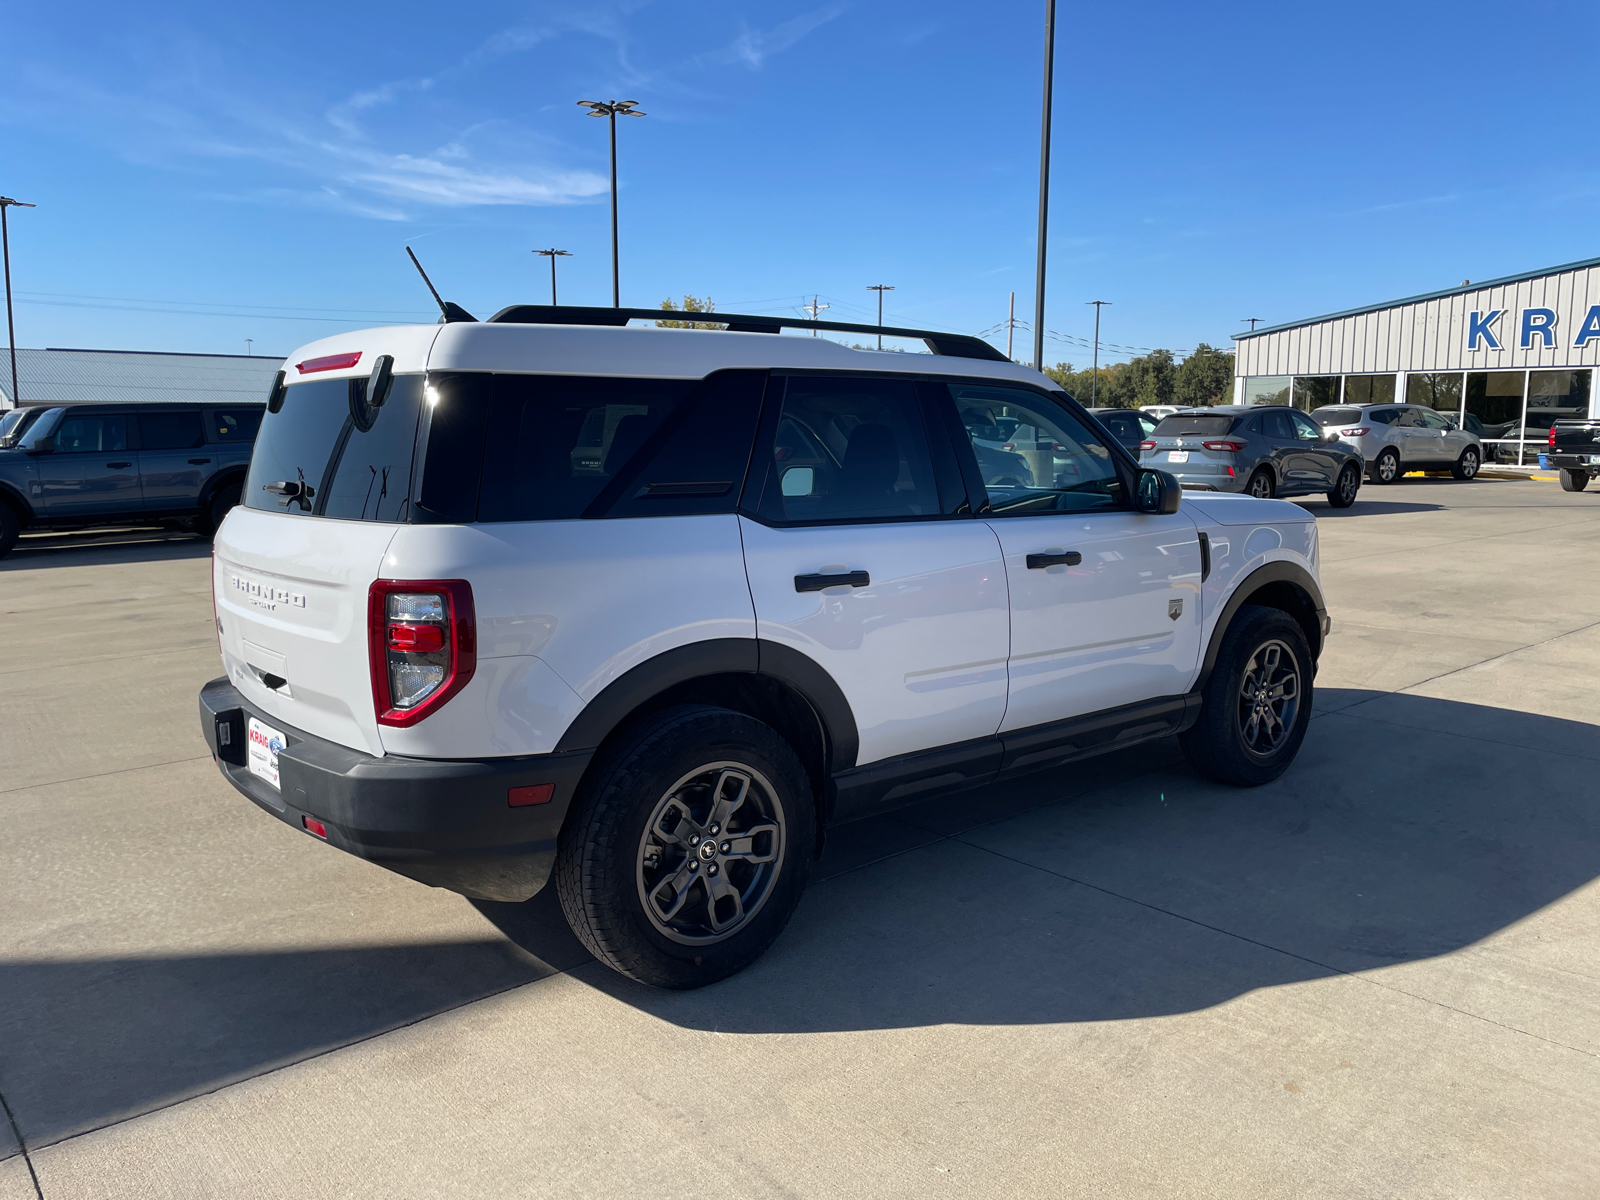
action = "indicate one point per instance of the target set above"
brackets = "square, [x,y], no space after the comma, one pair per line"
[43,445]
[1157,492]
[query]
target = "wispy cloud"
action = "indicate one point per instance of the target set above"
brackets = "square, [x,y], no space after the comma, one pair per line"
[753,47]
[1416,203]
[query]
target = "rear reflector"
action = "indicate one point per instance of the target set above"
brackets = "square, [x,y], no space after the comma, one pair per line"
[539,793]
[416,639]
[329,362]
[315,826]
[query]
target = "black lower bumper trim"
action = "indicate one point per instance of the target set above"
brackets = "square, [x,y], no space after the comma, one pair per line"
[446,823]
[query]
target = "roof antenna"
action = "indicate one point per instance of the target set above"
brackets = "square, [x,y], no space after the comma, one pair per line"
[450,311]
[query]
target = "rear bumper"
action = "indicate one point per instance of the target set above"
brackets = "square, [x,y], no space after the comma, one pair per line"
[1574,462]
[446,823]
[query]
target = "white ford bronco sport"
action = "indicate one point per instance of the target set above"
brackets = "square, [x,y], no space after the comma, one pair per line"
[651,610]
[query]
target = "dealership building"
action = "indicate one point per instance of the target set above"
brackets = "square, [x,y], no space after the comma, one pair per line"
[1505,357]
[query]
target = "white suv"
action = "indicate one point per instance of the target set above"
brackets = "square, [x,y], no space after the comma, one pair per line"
[650,610]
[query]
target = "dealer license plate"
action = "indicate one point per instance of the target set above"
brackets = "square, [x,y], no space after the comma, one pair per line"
[265,742]
[1177,456]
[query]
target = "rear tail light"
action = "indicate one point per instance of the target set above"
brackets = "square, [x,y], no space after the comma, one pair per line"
[1009,446]
[422,645]
[1231,447]
[1362,432]
[1147,444]
[1552,436]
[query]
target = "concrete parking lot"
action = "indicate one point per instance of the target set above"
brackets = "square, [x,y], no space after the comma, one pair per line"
[1377,977]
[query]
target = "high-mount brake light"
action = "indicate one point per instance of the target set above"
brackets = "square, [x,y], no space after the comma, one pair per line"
[422,645]
[1227,444]
[328,362]
[1361,431]
[1148,444]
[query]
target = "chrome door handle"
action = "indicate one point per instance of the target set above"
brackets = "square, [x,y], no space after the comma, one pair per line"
[815,583]
[119,464]
[1064,558]
[198,462]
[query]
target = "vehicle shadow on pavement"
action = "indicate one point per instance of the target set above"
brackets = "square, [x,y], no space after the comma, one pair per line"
[1371,508]
[1118,888]
[33,551]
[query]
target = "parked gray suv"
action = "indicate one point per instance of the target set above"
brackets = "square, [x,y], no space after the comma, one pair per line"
[1265,450]
[81,465]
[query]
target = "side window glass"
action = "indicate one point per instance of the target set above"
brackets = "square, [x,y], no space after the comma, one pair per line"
[1382,416]
[1305,428]
[235,425]
[1433,420]
[1411,418]
[1279,426]
[170,431]
[850,449]
[1052,462]
[92,434]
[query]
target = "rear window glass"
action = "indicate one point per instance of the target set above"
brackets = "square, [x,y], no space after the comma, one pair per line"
[1336,416]
[555,441]
[326,454]
[1177,426]
[235,424]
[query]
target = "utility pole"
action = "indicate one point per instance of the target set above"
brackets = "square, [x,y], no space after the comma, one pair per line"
[11,327]
[1252,321]
[1011,323]
[880,288]
[815,307]
[1094,376]
[552,254]
[611,109]
[1044,181]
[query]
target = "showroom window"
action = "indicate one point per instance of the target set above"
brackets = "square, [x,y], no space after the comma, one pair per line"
[1315,391]
[1267,389]
[1436,390]
[1369,389]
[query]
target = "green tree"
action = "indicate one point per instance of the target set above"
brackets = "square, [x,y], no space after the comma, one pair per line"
[1205,378]
[691,304]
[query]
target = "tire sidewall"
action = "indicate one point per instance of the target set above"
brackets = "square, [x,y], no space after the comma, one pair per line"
[603,844]
[1377,467]
[10,529]
[1337,496]
[1261,473]
[1217,742]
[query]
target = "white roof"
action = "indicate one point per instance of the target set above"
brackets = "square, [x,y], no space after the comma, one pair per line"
[114,376]
[637,351]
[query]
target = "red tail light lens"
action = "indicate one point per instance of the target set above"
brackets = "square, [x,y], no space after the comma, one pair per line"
[1009,446]
[1147,444]
[1362,432]
[1552,436]
[422,645]
[315,826]
[1230,446]
[329,362]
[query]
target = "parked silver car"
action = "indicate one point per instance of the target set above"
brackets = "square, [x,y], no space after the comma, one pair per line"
[1396,438]
[1265,450]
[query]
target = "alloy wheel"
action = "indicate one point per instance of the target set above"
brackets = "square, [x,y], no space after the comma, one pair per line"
[1261,486]
[1469,463]
[1348,483]
[1269,698]
[710,853]
[1388,467]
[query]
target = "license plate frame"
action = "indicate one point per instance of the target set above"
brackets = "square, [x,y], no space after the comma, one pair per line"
[1177,456]
[264,743]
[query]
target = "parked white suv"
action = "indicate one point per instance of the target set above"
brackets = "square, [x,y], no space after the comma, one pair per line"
[1396,438]
[651,610]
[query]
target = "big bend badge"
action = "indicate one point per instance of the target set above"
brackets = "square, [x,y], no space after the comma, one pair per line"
[1174,609]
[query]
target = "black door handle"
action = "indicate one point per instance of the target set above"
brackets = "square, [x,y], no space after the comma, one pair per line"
[815,583]
[198,462]
[1067,558]
[119,464]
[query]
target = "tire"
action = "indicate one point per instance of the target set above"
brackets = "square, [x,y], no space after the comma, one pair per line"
[220,506]
[1345,487]
[1261,485]
[1386,467]
[1466,467]
[10,529]
[623,847]
[1571,481]
[1244,737]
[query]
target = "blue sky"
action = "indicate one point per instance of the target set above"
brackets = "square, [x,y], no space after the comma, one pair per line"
[207,173]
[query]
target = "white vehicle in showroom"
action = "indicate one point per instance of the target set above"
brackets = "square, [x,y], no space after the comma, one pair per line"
[649,611]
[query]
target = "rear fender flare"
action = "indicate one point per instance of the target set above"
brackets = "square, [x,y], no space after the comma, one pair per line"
[18,503]
[224,478]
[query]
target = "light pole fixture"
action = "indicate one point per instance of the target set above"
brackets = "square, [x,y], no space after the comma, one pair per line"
[880,288]
[612,109]
[1094,374]
[552,254]
[1252,321]
[250,347]
[815,309]
[11,327]
[1044,181]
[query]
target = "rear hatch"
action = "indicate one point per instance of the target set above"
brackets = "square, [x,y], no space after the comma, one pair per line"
[329,487]
[1179,445]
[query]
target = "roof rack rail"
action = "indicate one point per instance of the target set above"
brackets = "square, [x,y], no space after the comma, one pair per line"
[957,345]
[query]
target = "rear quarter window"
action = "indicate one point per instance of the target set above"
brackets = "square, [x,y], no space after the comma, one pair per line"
[234,424]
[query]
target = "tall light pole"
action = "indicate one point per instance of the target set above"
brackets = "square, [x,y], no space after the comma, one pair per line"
[552,254]
[1252,321]
[880,288]
[11,327]
[1044,181]
[1094,374]
[612,109]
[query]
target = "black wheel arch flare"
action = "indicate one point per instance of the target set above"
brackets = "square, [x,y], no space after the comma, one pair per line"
[1283,585]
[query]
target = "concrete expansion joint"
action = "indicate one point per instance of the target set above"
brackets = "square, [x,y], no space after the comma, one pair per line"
[22,1146]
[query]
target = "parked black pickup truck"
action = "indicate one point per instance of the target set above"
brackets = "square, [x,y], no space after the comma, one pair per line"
[75,466]
[1575,452]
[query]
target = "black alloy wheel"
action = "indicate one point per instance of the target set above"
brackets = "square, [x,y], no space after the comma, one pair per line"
[688,846]
[222,504]
[10,529]
[1345,487]
[1256,703]
[1386,467]
[1571,481]
[1466,467]
[1260,485]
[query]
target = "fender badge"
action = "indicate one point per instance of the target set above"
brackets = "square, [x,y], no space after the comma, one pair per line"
[1174,609]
